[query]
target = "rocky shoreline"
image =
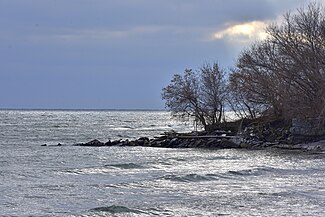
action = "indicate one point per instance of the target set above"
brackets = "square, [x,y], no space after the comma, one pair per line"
[245,134]
[171,140]
[217,141]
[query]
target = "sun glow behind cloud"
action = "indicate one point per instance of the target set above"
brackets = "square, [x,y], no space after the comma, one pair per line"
[243,32]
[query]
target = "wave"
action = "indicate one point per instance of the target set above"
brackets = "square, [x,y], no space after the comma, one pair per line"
[315,195]
[102,169]
[125,166]
[252,172]
[123,128]
[223,158]
[176,159]
[87,171]
[191,178]
[61,125]
[153,128]
[287,171]
[241,172]
[114,209]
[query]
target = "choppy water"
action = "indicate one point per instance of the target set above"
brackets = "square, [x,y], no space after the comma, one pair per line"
[139,181]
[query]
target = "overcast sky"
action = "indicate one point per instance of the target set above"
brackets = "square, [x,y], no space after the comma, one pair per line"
[119,54]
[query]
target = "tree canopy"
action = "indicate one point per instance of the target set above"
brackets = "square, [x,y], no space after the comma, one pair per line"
[285,74]
[282,76]
[198,93]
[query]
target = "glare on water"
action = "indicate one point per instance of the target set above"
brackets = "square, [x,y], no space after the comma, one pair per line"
[137,181]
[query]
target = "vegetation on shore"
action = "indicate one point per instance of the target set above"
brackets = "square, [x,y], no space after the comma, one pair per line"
[275,80]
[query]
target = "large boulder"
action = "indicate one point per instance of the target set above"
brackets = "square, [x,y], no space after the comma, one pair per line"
[93,143]
[226,143]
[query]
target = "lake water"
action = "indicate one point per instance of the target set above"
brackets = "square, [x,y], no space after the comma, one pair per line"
[141,181]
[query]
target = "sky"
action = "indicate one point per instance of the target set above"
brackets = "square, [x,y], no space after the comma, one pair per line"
[119,54]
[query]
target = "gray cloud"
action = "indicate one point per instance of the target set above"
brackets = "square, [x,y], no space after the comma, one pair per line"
[113,53]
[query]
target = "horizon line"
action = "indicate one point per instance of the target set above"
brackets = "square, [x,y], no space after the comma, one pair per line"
[81,109]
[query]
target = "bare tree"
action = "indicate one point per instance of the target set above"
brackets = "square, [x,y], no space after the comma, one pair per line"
[200,94]
[182,95]
[255,80]
[301,42]
[238,102]
[213,92]
[285,73]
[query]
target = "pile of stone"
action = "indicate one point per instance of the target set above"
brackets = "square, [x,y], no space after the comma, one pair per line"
[174,140]
[255,135]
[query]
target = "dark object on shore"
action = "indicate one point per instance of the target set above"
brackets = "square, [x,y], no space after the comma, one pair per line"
[44,145]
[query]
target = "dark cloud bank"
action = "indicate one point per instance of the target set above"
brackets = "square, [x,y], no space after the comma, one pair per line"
[113,54]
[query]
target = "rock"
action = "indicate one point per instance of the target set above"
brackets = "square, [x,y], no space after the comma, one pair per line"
[225,143]
[44,145]
[254,136]
[140,142]
[108,143]
[145,139]
[270,144]
[211,143]
[245,145]
[196,143]
[183,144]
[156,144]
[59,144]
[116,142]
[125,143]
[173,143]
[93,143]
[314,146]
